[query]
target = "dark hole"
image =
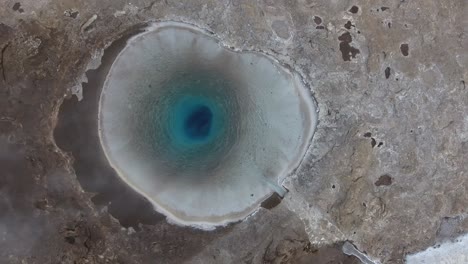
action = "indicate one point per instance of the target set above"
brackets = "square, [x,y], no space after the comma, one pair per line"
[198,123]
[383,8]
[333,186]
[380,144]
[345,37]
[271,202]
[387,72]
[368,134]
[317,20]
[354,9]
[384,180]
[320,27]
[389,25]
[348,25]
[373,142]
[16,6]
[404,48]
[70,239]
[347,51]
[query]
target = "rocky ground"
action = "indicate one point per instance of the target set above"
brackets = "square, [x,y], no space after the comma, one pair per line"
[386,170]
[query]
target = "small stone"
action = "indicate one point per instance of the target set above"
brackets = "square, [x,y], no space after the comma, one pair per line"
[71,13]
[87,25]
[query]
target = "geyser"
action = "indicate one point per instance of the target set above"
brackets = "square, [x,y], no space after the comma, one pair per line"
[204,133]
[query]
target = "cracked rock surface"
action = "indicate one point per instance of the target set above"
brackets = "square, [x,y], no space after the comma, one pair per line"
[387,168]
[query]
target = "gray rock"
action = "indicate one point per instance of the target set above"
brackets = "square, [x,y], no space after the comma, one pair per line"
[411,126]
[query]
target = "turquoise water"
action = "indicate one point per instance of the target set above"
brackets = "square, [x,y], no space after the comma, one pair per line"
[197,120]
[192,120]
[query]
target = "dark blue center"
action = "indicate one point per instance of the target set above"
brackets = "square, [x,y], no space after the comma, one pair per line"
[197,124]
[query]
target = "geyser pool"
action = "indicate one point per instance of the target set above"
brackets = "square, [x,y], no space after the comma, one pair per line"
[204,133]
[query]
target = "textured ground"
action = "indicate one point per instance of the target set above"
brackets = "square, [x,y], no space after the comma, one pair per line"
[386,170]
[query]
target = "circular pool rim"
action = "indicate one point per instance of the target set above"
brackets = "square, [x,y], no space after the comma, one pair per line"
[306,97]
